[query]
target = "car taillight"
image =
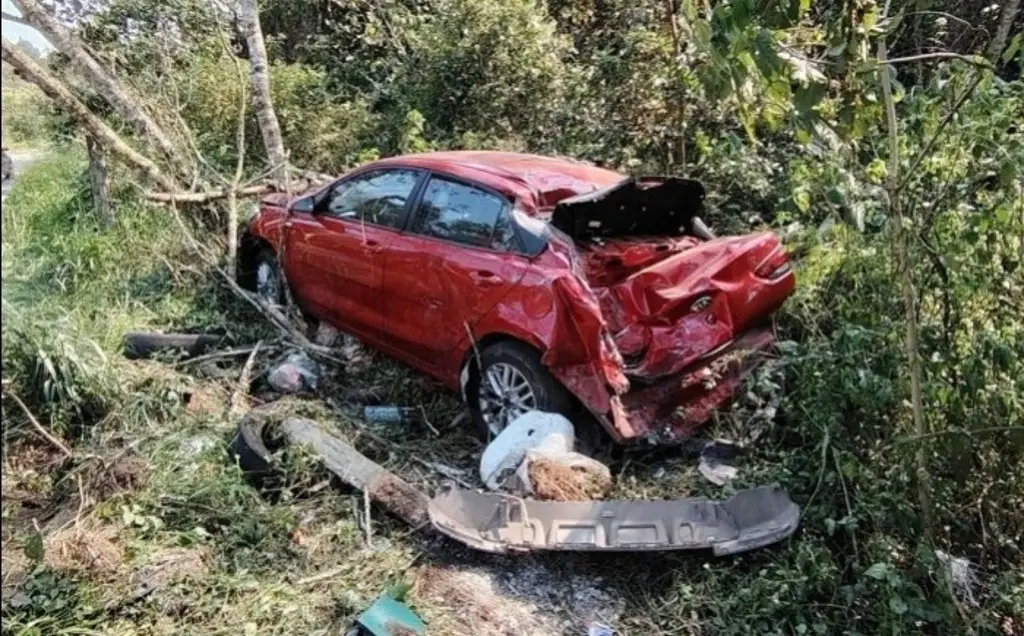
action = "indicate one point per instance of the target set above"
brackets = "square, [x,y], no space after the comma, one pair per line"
[775,266]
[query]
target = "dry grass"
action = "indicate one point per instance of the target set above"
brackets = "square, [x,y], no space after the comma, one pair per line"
[553,481]
[91,547]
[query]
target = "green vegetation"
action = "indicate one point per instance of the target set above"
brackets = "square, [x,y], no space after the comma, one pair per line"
[776,106]
[26,113]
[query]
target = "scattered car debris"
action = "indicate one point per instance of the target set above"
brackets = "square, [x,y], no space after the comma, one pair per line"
[138,345]
[534,430]
[497,522]
[326,335]
[716,461]
[387,616]
[598,629]
[962,575]
[297,374]
[392,414]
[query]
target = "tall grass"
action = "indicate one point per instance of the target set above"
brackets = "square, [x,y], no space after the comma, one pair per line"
[71,289]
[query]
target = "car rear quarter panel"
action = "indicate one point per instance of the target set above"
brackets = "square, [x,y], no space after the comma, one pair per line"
[554,311]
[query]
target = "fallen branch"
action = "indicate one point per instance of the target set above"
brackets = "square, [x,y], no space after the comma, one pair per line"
[238,400]
[227,353]
[212,195]
[39,427]
[274,316]
[389,490]
[103,82]
[76,110]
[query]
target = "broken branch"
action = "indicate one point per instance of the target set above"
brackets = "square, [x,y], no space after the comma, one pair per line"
[39,427]
[205,197]
[105,84]
[78,111]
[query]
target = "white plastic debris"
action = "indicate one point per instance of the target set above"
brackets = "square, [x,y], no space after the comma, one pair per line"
[599,629]
[534,430]
[326,335]
[716,461]
[961,573]
[296,374]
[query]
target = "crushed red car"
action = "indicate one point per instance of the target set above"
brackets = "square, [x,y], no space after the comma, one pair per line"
[531,282]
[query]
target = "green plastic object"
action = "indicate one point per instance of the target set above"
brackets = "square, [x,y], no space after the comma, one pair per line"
[387,615]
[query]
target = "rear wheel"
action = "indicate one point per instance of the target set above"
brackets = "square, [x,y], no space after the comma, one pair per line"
[512,381]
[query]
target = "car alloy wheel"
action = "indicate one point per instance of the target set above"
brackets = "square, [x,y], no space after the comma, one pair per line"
[268,287]
[505,394]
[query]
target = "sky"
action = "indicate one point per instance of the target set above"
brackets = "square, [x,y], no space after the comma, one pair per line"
[15,32]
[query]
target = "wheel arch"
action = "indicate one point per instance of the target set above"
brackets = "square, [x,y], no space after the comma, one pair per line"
[250,245]
[469,368]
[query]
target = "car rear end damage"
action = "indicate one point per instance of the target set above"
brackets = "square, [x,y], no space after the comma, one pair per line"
[656,331]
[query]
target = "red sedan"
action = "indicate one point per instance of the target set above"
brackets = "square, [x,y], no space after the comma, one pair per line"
[531,283]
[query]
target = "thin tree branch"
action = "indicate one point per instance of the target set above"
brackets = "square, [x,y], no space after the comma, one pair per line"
[205,197]
[74,108]
[938,131]
[39,427]
[976,61]
[902,253]
[17,19]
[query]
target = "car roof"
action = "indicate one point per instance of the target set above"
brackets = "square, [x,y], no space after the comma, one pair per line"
[547,179]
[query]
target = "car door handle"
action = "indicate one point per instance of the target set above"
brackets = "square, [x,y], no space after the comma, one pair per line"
[373,246]
[485,277]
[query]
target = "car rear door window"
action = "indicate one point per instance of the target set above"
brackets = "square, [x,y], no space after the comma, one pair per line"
[378,197]
[464,214]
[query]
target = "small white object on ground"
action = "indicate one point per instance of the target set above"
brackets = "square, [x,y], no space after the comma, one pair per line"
[533,430]
[599,629]
[961,573]
[296,374]
[326,335]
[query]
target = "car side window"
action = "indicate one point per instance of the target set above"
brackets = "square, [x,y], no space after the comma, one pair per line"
[377,197]
[464,214]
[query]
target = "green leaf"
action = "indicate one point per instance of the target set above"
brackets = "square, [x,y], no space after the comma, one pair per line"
[34,550]
[878,571]
[898,605]
[802,200]
[1013,48]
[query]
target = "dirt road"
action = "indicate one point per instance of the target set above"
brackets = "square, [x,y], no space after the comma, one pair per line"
[21,160]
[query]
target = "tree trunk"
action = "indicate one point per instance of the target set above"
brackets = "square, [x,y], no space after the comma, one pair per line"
[99,79]
[262,103]
[74,108]
[98,182]
[901,249]
[1006,18]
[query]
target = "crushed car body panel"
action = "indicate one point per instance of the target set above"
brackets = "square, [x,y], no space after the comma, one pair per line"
[495,522]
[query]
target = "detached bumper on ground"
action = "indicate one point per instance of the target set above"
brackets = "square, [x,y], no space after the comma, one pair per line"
[494,522]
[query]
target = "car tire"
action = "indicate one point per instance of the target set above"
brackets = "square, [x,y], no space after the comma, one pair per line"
[524,362]
[248,447]
[267,281]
